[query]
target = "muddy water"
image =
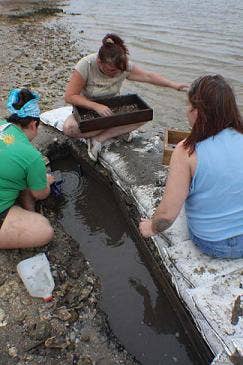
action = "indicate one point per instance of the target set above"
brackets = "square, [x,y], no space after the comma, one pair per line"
[138,311]
[181,39]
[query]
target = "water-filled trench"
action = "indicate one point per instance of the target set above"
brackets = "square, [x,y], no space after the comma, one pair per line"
[138,310]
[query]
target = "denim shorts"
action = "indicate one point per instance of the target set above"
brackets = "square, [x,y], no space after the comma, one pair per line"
[230,248]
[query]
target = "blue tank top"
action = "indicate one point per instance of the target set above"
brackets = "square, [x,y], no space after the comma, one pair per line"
[214,206]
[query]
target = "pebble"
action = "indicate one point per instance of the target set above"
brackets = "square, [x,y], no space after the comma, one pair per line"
[86,360]
[12,351]
[38,67]
[2,278]
[41,331]
[85,338]
[2,314]
[103,361]
[57,343]
[63,314]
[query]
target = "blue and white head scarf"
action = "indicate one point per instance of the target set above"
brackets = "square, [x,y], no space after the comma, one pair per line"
[30,109]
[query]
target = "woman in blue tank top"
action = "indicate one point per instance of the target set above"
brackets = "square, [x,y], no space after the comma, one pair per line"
[206,173]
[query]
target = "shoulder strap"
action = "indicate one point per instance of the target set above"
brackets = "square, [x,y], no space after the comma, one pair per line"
[4,126]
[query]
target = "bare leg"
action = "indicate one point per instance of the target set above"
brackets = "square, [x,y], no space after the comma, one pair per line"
[22,228]
[95,143]
[116,131]
[71,129]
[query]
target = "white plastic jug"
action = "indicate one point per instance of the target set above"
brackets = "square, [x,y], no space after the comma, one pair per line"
[36,275]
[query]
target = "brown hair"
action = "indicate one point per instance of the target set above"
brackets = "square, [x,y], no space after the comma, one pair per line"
[215,102]
[114,51]
[25,95]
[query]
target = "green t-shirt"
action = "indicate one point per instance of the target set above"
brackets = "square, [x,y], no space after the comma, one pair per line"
[21,165]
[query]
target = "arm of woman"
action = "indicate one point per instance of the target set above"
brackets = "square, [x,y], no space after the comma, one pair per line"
[41,194]
[138,74]
[176,191]
[72,95]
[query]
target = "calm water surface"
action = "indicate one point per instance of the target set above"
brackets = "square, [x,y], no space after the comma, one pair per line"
[181,39]
[137,309]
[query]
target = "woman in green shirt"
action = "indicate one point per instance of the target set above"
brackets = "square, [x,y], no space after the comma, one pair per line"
[22,175]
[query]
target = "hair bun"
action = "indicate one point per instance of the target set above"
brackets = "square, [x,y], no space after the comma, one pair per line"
[109,41]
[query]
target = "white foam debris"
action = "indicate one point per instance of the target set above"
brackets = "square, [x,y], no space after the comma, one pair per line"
[157,142]
[153,145]
[222,359]
[147,148]
[110,159]
[238,343]
[216,302]
[144,198]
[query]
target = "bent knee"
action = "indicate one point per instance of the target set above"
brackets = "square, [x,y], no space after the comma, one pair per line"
[46,232]
[49,233]
[67,130]
[70,126]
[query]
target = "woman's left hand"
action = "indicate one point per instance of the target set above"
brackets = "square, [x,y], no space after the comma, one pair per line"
[145,228]
[183,87]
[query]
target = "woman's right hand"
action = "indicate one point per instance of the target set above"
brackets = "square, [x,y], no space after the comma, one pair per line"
[103,110]
[50,179]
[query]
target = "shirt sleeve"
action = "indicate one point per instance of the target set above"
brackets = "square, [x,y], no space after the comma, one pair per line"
[36,177]
[83,67]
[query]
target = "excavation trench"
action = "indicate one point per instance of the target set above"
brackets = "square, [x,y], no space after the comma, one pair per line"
[142,307]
